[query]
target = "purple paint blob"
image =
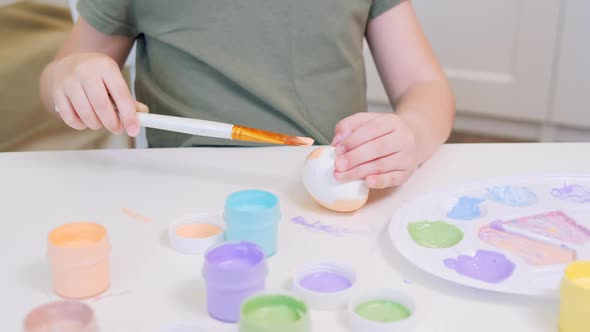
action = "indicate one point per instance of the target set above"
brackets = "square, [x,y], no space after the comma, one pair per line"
[573,193]
[235,256]
[485,265]
[325,282]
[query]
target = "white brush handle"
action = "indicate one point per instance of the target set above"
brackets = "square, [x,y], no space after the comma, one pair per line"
[186,125]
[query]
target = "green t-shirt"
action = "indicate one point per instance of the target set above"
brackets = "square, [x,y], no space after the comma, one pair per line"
[289,66]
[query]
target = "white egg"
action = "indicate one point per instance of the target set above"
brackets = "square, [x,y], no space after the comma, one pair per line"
[322,186]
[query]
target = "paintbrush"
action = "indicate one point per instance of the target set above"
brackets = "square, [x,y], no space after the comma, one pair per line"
[215,129]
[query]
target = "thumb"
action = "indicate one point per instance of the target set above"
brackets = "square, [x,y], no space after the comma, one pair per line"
[348,125]
[141,107]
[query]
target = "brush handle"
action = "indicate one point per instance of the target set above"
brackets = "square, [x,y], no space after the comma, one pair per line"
[186,125]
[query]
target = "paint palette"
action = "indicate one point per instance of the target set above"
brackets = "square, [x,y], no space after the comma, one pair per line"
[511,235]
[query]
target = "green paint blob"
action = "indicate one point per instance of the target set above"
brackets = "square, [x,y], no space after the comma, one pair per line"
[270,313]
[277,314]
[435,234]
[382,311]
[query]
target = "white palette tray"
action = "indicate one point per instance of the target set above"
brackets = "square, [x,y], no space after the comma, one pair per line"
[537,248]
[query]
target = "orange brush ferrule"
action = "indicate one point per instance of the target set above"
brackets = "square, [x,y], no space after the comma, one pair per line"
[263,136]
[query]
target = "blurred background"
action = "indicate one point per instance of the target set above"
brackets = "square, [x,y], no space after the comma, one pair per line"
[520,70]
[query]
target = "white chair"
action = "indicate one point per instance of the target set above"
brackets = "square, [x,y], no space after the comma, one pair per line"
[140,140]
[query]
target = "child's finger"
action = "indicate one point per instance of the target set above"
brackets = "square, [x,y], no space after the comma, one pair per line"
[122,97]
[386,180]
[77,96]
[66,111]
[141,107]
[372,150]
[365,133]
[100,101]
[392,162]
[349,124]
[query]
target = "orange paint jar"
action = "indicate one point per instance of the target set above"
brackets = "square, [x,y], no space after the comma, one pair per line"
[79,255]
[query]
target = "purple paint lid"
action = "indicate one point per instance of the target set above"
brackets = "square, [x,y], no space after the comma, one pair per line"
[235,265]
[324,285]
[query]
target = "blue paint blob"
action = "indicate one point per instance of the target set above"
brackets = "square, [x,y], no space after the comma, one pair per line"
[512,195]
[467,208]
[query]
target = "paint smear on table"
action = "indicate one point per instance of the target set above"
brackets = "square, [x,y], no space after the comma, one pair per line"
[532,252]
[553,225]
[135,215]
[572,193]
[486,265]
[467,208]
[512,195]
[435,234]
[318,226]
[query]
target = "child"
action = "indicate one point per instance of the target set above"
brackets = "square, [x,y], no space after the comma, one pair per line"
[283,65]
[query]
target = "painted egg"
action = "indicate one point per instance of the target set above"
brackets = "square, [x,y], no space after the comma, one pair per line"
[322,186]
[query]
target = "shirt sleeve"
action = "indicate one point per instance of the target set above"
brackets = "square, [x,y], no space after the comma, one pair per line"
[379,7]
[111,17]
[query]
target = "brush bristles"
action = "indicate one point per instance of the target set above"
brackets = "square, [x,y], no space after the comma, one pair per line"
[299,141]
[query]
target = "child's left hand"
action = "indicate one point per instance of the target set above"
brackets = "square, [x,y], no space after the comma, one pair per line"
[380,148]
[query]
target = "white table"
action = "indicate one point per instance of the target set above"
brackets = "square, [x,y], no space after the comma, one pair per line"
[153,285]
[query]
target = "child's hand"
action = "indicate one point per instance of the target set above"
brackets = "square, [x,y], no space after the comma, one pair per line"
[380,148]
[82,87]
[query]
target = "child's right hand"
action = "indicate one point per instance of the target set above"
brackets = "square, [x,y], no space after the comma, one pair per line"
[83,85]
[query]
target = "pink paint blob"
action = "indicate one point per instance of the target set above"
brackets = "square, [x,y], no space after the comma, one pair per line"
[554,225]
[533,252]
[325,282]
[487,266]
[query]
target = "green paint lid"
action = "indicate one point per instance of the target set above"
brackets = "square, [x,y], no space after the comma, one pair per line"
[274,312]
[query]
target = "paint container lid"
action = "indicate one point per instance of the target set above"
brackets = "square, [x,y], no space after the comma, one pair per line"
[382,310]
[61,316]
[194,234]
[180,327]
[324,285]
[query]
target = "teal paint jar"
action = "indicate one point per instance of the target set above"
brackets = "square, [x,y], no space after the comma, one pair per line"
[253,216]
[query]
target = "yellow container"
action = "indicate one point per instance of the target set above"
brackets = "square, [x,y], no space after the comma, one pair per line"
[574,306]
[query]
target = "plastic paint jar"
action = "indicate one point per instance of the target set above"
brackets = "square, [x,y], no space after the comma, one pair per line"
[62,316]
[253,216]
[574,304]
[79,255]
[233,271]
[382,311]
[324,285]
[272,313]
